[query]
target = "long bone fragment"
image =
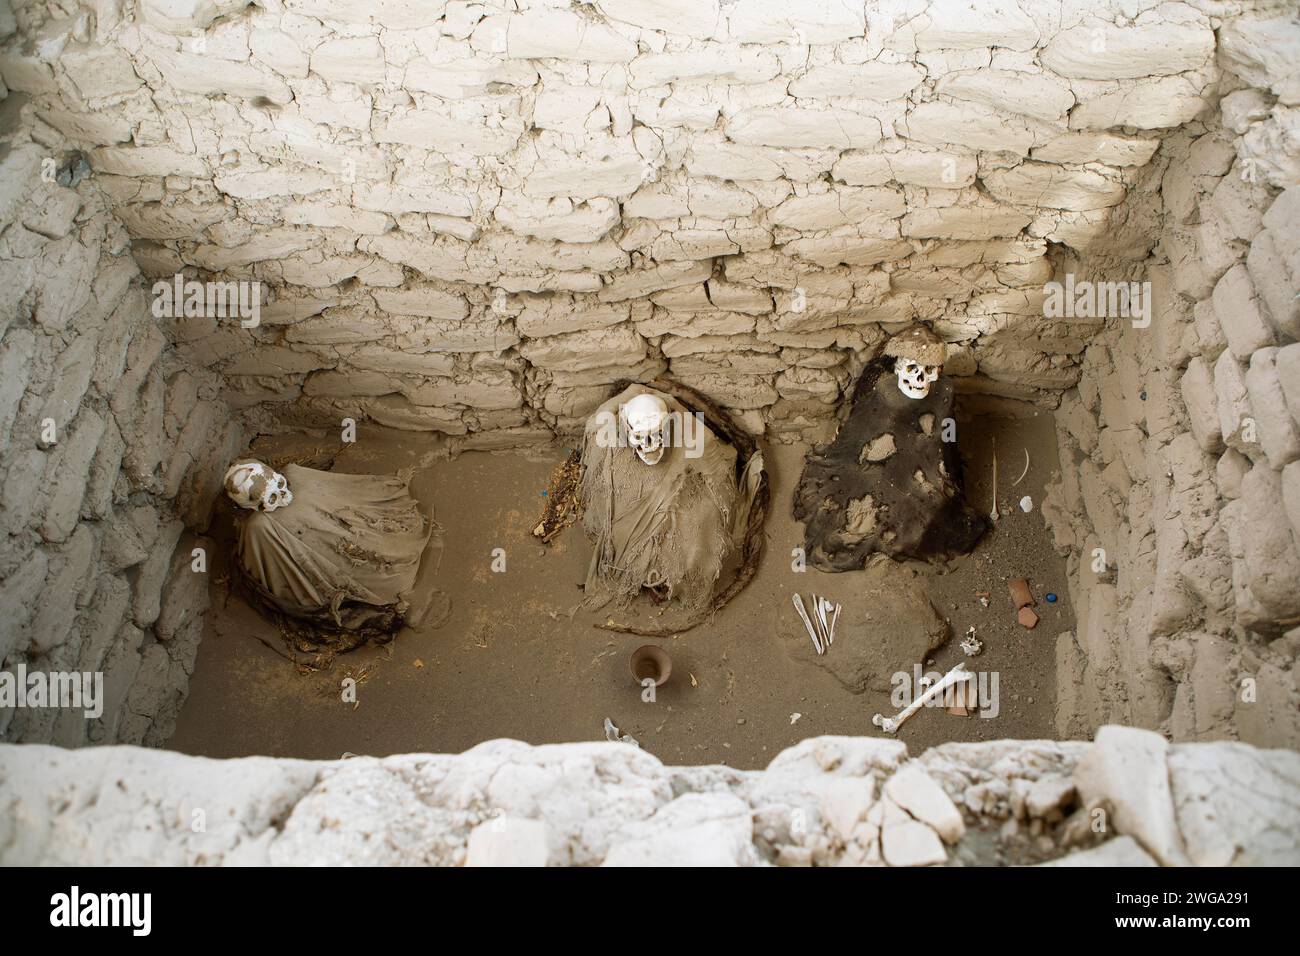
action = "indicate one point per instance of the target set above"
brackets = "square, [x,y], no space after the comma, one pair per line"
[993,512]
[819,616]
[1023,473]
[812,632]
[890,725]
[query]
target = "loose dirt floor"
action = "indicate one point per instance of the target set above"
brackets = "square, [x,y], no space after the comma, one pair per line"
[511,657]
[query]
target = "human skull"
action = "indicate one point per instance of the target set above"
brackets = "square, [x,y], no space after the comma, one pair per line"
[915,379]
[257,487]
[644,417]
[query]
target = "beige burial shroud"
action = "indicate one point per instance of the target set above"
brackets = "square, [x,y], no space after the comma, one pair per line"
[670,526]
[344,554]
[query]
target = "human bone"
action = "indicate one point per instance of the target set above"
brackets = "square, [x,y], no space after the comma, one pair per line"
[915,379]
[256,486]
[644,418]
[918,356]
[807,622]
[890,725]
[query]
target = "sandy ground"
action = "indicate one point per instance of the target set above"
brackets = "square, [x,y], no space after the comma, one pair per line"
[512,659]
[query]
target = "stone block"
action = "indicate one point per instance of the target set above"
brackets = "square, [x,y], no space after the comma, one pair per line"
[71,572]
[1272,563]
[874,81]
[185,592]
[151,575]
[1278,433]
[1126,771]
[954,25]
[1235,416]
[802,21]
[1274,277]
[1043,184]
[1237,307]
[800,128]
[1096,50]
[578,351]
[1145,104]
[208,76]
[1197,387]
[1038,95]
[67,475]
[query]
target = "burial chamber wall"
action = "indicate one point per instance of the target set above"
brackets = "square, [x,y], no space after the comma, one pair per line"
[1178,500]
[470,219]
[112,450]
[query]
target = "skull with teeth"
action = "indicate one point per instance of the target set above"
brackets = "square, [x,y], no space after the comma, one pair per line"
[257,486]
[918,359]
[915,379]
[644,418]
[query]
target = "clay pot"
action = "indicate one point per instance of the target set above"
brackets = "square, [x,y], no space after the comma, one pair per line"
[649,660]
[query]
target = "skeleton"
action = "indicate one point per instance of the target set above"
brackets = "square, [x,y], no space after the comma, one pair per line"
[890,725]
[257,486]
[915,379]
[644,418]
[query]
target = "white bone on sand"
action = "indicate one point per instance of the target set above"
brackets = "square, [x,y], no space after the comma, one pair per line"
[993,513]
[812,631]
[890,725]
[824,628]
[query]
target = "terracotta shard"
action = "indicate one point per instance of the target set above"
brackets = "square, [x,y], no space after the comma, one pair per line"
[1021,596]
[1027,618]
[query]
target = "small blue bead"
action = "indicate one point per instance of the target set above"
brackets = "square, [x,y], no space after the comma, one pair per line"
[1051,598]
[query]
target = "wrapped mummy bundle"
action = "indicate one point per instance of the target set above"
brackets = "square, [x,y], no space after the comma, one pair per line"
[662,500]
[890,481]
[339,551]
